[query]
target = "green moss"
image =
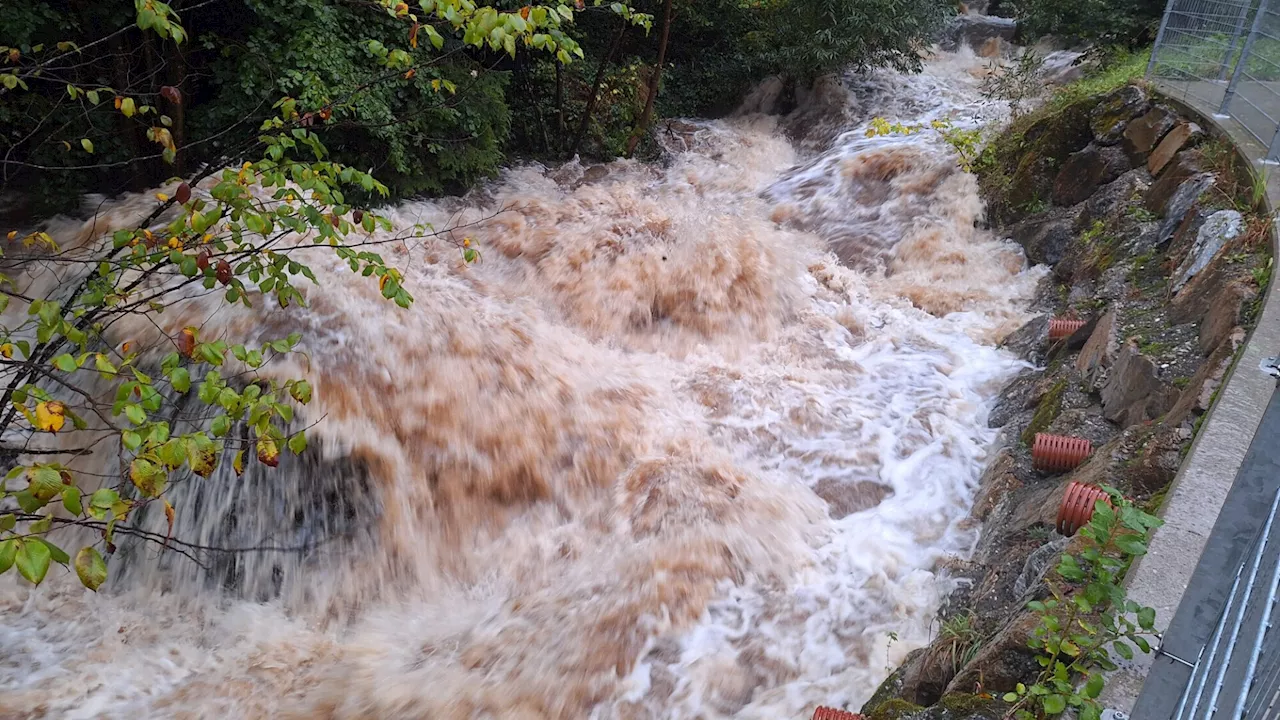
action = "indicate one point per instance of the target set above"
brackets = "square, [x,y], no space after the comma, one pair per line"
[1046,412]
[894,709]
[1016,167]
[964,703]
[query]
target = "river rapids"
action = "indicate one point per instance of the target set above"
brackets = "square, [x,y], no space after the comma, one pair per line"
[691,440]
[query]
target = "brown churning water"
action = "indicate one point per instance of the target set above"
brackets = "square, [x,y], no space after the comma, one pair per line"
[689,442]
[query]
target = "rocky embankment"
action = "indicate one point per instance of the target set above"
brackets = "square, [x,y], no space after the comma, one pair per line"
[1157,241]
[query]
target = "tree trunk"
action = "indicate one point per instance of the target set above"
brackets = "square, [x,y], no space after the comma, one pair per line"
[595,89]
[647,116]
[560,127]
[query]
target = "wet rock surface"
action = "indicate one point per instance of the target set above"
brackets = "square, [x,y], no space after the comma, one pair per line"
[1085,171]
[1149,244]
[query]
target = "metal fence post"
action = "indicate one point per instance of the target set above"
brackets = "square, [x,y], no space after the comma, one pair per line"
[1273,150]
[1164,23]
[1235,38]
[1244,57]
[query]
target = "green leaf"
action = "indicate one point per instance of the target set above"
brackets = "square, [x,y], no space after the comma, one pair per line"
[8,550]
[71,501]
[1147,618]
[58,555]
[87,144]
[1054,704]
[135,414]
[221,426]
[7,522]
[131,439]
[298,443]
[104,498]
[33,560]
[65,363]
[1093,688]
[128,107]
[180,379]
[1011,697]
[1123,648]
[90,568]
[1131,544]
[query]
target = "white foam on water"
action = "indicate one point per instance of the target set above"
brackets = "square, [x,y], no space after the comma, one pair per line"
[661,454]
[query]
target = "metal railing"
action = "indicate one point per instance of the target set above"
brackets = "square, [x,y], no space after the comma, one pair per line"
[1226,55]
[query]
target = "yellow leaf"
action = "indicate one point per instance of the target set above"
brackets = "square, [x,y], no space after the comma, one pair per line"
[50,416]
[162,197]
[6,350]
[13,234]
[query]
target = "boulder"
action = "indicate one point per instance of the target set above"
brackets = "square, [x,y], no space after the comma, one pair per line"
[1058,135]
[1032,180]
[1037,564]
[1045,239]
[1183,167]
[1021,394]
[1113,198]
[1156,462]
[1216,299]
[1142,134]
[1219,229]
[1003,661]
[1184,200]
[964,706]
[1225,314]
[846,498]
[1029,340]
[1184,134]
[1099,351]
[1087,170]
[1112,114]
[992,47]
[1134,393]
[1198,394]
[975,30]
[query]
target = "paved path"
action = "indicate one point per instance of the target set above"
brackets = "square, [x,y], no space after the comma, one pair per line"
[1202,487]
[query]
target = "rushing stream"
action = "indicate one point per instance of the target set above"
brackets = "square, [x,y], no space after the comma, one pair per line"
[660,454]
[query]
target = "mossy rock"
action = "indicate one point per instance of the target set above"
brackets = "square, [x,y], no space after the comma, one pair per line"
[1061,133]
[1032,182]
[1046,412]
[891,688]
[1115,110]
[893,709]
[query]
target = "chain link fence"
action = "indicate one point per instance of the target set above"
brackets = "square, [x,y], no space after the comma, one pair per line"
[1224,56]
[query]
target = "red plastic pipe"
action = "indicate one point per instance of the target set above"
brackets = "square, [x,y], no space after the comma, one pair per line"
[1063,328]
[1059,453]
[1078,505]
[826,713]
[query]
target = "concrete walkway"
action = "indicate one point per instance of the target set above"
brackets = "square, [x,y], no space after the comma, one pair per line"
[1198,493]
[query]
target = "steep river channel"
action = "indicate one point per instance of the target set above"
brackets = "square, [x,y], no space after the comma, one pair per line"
[692,440]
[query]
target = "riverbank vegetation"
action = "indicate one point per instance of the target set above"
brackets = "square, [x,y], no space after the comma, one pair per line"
[465,109]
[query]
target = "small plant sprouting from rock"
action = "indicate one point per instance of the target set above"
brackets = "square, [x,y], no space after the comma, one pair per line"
[961,633]
[1089,615]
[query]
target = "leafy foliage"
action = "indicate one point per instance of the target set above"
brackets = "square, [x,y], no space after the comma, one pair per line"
[1127,23]
[1089,615]
[235,231]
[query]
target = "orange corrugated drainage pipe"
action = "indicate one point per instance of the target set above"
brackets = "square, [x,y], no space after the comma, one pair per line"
[1063,328]
[1059,453]
[826,713]
[1078,505]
